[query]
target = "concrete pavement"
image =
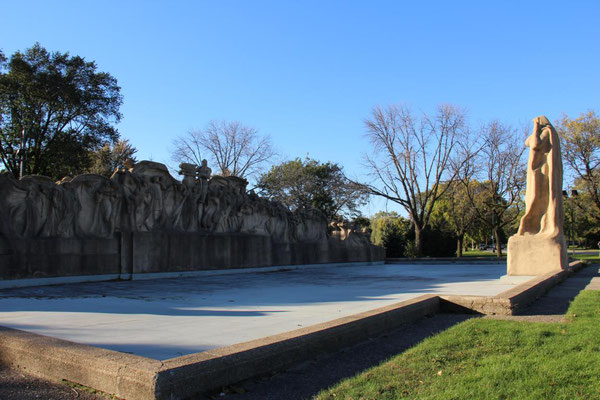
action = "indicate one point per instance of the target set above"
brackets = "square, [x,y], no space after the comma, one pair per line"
[166,318]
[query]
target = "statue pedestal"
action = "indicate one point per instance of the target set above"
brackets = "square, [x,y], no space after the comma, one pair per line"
[536,254]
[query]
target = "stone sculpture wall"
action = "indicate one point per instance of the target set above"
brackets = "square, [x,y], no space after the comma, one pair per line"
[144,211]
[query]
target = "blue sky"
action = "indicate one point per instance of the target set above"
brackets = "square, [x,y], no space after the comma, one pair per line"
[308,72]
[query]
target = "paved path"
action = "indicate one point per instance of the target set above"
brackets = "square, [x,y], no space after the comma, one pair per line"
[553,305]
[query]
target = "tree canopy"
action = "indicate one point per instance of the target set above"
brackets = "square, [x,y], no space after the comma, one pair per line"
[310,183]
[106,159]
[581,150]
[54,109]
[454,212]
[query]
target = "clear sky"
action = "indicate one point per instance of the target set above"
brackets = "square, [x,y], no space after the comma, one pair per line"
[308,72]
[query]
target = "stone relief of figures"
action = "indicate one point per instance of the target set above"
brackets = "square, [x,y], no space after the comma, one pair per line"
[145,197]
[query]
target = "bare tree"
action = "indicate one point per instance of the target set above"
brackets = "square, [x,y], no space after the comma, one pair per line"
[412,156]
[494,181]
[187,148]
[235,149]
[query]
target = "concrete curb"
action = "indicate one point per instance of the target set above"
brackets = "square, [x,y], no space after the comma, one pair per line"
[204,371]
[140,378]
[512,300]
[134,377]
[124,375]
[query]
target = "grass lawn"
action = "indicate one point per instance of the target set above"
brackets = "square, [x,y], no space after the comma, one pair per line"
[592,258]
[493,359]
[482,253]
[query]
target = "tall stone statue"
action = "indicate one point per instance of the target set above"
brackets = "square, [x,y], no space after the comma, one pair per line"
[539,245]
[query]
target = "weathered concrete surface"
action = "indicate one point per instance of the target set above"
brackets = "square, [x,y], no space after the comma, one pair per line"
[209,312]
[140,378]
[124,375]
[204,371]
[512,300]
[136,377]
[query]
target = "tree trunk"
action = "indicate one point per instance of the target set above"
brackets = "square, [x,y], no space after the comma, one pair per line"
[459,245]
[497,239]
[418,242]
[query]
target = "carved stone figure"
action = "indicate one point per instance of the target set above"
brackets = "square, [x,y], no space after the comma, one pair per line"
[203,172]
[310,225]
[37,204]
[128,185]
[189,173]
[70,208]
[99,205]
[539,245]
[13,221]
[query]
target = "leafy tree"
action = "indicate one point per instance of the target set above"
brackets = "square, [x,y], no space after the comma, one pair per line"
[361,222]
[396,234]
[581,150]
[106,159]
[390,231]
[453,212]
[309,183]
[234,148]
[581,216]
[54,109]
[411,156]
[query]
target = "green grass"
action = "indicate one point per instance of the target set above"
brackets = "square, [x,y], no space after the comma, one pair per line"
[482,253]
[592,258]
[493,359]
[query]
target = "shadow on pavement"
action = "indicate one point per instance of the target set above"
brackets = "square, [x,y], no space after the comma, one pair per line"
[307,379]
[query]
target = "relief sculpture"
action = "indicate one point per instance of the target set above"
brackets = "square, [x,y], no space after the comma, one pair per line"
[144,197]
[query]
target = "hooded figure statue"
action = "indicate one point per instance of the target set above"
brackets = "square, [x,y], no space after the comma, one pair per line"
[543,197]
[539,245]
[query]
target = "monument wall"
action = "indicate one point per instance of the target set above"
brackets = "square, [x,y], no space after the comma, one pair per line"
[143,220]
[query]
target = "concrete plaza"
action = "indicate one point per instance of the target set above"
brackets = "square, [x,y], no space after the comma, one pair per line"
[166,318]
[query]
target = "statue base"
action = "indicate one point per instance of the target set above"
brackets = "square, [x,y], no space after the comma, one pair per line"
[536,254]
